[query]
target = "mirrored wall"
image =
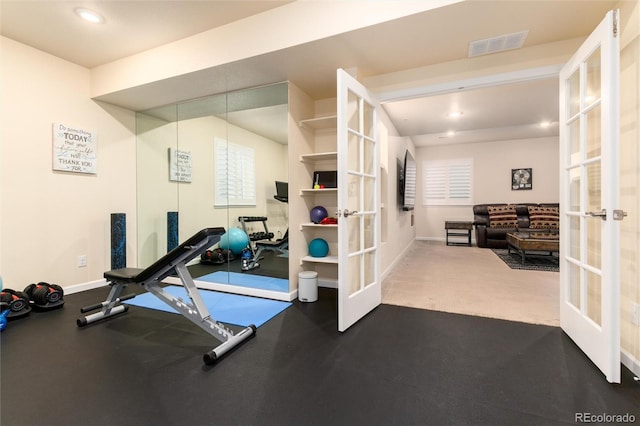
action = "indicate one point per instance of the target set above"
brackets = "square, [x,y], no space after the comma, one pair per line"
[214,162]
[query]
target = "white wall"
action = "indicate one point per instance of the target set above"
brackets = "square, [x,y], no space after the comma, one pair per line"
[630,181]
[48,218]
[398,227]
[492,164]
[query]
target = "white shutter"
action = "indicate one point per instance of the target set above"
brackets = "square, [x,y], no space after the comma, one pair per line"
[447,182]
[435,183]
[235,183]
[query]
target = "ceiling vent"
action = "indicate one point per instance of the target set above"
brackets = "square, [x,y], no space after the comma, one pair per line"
[497,44]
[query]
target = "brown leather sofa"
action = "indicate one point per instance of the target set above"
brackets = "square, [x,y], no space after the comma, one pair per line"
[496,236]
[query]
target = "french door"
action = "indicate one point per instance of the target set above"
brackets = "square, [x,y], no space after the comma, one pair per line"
[589,193]
[359,287]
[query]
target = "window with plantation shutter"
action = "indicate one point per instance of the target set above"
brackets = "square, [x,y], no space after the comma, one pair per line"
[447,182]
[235,183]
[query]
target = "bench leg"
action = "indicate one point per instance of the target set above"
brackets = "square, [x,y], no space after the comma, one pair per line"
[110,307]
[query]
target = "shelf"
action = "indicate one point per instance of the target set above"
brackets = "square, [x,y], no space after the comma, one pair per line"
[320,123]
[324,191]
[321,156]
[317,225]
[326,259]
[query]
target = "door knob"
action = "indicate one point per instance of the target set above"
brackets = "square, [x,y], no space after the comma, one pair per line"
[602,214]
[347,213]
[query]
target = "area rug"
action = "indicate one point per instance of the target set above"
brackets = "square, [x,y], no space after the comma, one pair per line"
[247,280]
[223,307]
[533,261]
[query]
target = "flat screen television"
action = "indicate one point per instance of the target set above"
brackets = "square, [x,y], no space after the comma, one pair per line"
[407,173]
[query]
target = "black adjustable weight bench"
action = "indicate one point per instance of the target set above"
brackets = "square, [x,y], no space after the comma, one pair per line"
[174,262]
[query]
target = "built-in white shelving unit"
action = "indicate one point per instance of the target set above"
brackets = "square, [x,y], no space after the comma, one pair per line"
[326,259]
[320,123]
[323,157]
[320,156]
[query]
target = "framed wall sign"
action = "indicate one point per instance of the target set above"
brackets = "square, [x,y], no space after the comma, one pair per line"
[74,149]
[179,165]
[521,179]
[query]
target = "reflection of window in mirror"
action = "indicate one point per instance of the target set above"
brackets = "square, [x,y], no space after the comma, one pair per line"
[235,174]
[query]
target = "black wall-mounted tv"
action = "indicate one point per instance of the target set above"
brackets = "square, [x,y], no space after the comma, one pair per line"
[407,174]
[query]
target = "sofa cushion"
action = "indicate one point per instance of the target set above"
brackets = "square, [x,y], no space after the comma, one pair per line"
[544,217]
[502,216]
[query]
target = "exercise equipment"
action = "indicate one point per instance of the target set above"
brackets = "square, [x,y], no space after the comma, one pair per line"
[216,257]
[173,263]
[45,296]
[118,240]
[281,246]
[235,239]
[16,302]
[318,248]
[3,319]
[256,236]
[267,244]
[172,230]
[317,214]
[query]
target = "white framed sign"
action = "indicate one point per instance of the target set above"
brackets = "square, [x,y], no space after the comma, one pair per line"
[179,165]
[74,150]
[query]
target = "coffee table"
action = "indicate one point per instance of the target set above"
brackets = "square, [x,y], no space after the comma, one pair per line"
[526,242]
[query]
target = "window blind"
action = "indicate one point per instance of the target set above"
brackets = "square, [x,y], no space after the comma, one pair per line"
[447,182]
[235,183]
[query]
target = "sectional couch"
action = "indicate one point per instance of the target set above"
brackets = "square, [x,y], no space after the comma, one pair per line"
[494,221]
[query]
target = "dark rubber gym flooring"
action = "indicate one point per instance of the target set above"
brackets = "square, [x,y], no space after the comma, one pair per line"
[397,366]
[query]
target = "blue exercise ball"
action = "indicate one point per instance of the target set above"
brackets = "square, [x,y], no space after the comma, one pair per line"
[235,239]
[318,248]
[318,213]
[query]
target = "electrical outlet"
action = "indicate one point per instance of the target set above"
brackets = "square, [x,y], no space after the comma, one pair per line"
[82,261]
[635,313]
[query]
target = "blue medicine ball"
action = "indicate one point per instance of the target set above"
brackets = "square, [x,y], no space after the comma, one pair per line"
[318,213]
[235,239]
[318,248]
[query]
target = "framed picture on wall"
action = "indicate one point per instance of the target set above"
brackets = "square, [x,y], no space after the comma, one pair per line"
[521,179]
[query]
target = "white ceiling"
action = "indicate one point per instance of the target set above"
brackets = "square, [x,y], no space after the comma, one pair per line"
[441,35]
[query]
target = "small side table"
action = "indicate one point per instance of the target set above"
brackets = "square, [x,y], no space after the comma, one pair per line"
[458,229]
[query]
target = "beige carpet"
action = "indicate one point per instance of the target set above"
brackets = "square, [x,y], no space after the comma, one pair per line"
[472,281]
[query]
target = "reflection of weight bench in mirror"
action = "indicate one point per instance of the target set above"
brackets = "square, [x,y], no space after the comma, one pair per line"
[174,262]
[280,245]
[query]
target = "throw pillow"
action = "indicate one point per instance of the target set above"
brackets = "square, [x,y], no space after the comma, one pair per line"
[544,217]
[502,216]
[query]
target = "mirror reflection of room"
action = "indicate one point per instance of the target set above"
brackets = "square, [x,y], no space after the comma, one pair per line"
[218,161]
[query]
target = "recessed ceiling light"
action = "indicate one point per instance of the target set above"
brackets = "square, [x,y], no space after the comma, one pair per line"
[545,124]
[89,15]
[455,114]
[451,133]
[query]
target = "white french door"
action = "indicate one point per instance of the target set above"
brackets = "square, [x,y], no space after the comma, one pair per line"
[589,193]
[359,287]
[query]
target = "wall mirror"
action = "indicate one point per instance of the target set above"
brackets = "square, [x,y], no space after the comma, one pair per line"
[215,161]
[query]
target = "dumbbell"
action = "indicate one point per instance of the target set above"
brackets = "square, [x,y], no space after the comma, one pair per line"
[44,293]
[13,300]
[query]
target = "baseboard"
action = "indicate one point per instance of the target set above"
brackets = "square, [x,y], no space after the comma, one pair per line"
[245,291]
[442,239]
[77,288]
[431,239]
[630,362]
[327,283]
[395,262]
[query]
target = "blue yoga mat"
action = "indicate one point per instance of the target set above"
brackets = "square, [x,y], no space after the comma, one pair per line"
[247,280]
[223,307]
